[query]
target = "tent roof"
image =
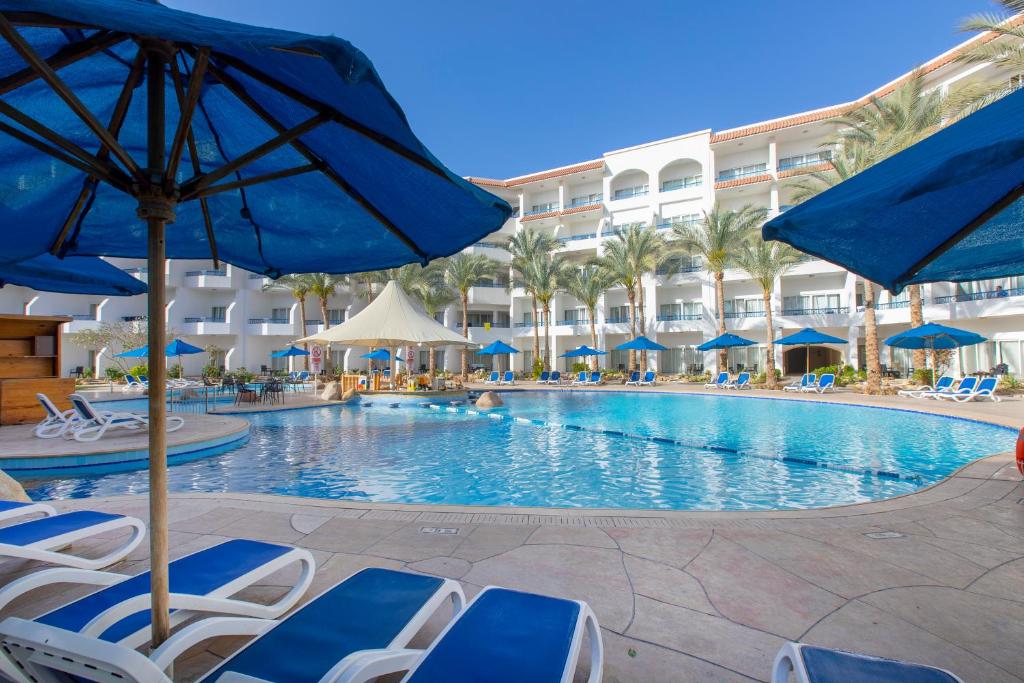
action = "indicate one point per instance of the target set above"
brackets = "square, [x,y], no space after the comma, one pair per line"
[392,319]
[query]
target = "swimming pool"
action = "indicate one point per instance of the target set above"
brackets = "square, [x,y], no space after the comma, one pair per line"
[581,449]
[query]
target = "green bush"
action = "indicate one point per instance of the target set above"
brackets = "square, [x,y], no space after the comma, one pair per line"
[176,371]
[580,367]
[244,374]
[114,373]
[1010,383]
[922,376]
[87,373]
[139,370]
[538,367]
[699,378]
[762,378]
[212,371]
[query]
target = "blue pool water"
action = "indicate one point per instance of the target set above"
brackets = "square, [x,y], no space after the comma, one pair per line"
[725,454]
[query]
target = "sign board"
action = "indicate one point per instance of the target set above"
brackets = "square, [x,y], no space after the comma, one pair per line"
[316,359]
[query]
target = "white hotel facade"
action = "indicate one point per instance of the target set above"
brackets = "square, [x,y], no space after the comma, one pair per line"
[655,183]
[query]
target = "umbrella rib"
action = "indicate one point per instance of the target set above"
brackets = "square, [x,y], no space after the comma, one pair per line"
[187,108]
[239,91]
[285,137]
[67,55]
[336,116]
[60,155]
[50,76]
[254,180]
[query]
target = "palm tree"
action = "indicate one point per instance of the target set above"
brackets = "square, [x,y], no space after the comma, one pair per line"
[1006,53]
[299,287]
[435,295]
[764,262]
[645,248]
[616,262]
[323,286]
[461,272]
[588,284]
[524,246]
[716,239]
[546,274]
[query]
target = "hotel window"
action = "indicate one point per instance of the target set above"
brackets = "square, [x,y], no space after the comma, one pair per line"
[742,172]
[618,314]
[693,308]
[576,315]
[335,316]
[804,160]
[680,183]
[547,207]
[635,191]
[527,317]
[218,314]
[585,200]
[502,319]
[670,311]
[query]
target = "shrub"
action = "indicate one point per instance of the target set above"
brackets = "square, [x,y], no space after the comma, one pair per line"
[703,378]
[538,367]
[88,373]
[139,370]
[175,371]
[244,374]
[763,377]
[212,371]
[113,373]
[922,376]
[580,367]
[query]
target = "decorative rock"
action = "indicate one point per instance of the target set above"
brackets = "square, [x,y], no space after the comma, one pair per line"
[12,490]
[348,395]
[489,399]
[332,392]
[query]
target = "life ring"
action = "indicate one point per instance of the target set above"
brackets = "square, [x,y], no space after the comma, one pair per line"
[1020,451]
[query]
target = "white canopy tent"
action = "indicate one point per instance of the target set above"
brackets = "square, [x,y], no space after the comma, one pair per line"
[391,320]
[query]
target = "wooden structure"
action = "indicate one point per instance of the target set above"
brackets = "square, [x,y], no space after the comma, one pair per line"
[30,364]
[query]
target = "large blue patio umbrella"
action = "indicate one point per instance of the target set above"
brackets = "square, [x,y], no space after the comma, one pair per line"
[641,343]
[141,352]
[271,139]
[290,351]
[497,348]
[179,348]
[807,338]
[71,275]
[583,350]
[724,341]
[934,336]
[950,207]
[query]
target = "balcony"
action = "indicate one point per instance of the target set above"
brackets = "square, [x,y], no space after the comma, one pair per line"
[489,293]
[834,310]
[205,325]
[617,320]
[680,316]
[524,324]
[208,279]
[493,250]
[257,281]
[804,162]
[585,200]
[733,315]
[494,326]
[631,192]
[540,209]
[891,305]
[979,296]
[573,322]
[742,175]
[274,327]
[682,183]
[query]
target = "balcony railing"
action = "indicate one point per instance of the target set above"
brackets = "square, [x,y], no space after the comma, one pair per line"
[272,321]
[255,276]
[744,314]
[787,164]
[691,267]
[667,225]
[738,173]
[524,324]
[574,238]
[681,183]
[889,305]
[630,192]
[204,319]
[491,245]
[616,319]
[136,271]
[581,321]
[500,326]
[680,316]
[81,316]
[492,285]
[213,273]
[979,296]
[132,318]
[586,200]
[814,311]
[541,208]
[314,322]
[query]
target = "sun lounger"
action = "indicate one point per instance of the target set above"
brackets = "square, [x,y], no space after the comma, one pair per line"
[200,583]
[826,383]
[544,377]
[12,509]
[494,378]
[807,664]
[634,379]
[809,379]
[556,377]
[742,381]
[40,539]
[943,385]
[133,384]
[93,424]
[57,422]
[986,389]
[594,379]
[508,378]
[649,379]
[581,378]
[719,382]
[966,387]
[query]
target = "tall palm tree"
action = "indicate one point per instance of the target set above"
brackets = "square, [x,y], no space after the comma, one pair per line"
[462,271]
[323,286]
[299,287]
[616,262]
[588,283]
[524,246]
[546,274]
[764,262]
[1006,52]
[645,248]
[435,295]
[717,239]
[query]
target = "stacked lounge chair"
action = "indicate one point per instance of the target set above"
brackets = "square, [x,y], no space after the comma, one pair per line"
[594,379]
[634,379]
[809,379]
[719,382]
[943,385]
[581,378]
[544,377]
[493,378]
[649,379]
[93,424]
[508,378]
[974,391]
[827,382]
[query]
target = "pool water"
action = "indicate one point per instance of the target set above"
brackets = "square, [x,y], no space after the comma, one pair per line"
[713,453]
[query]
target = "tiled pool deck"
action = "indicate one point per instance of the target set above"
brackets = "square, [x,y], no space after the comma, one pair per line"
[936,577]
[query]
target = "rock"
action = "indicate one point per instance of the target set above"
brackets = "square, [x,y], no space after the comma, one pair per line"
[348,395]
[12,490]
[332,392]
[489,399]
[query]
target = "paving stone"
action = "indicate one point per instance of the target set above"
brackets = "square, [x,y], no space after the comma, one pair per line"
[307,524]
[667,584]
[275,527]
[671,546]
[488,540]
[448,567]
[341,535]
[572,536]
[629,659]
[411,543]
[1006,582]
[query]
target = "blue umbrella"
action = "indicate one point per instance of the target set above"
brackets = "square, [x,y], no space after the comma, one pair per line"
[141,352]
[290,351]
[379,354]
[275,139]
[809,337]
[71,275]
[948,208]
[495,348]
[725,341]
[583,350]
[641,343]
[179,348]
[933,336]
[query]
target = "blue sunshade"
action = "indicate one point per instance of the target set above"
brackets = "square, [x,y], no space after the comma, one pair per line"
[934,336]
[948,208]
[496,348]
[725,341]
[582,351]
[809,336]
[71,275]
[290,351]
[181,348]
[641,343]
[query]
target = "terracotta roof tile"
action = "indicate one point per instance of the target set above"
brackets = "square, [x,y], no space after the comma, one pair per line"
[764,177]
[538,216]
[544,175]
[790,172]
[582,209]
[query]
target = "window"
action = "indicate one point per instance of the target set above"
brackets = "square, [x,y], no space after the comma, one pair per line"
[586,200]
[335,316]
[670,362]
[693,309]
[439,317]
[634,191]
[502,319]
[742,172]
[804,160]
[527,317]
[670,311]
[680,183]
[218,314]
[617,360]
[279,315]
[618,314]
[575,315]
[817,303]
[693,360]
[547,207]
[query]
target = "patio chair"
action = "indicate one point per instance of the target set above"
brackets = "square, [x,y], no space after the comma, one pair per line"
[634,379]
[12,509]
[556,377]
[809,379]
[57,422]
[41,539]
[718,382]
[132,384]
[581,378]
[595,379]
[966,387]
[942,385]
[93,424]
[649,380]
[986,389]
[201,583]
[826,383]
[508,378]
[494,378]
[742,381]
[809,664]
[544,377]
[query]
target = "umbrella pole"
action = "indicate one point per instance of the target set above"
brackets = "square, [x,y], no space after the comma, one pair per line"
[157,210]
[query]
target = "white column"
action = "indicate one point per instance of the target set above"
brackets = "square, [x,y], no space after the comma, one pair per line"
[773,157]
[853,345]
[561,196]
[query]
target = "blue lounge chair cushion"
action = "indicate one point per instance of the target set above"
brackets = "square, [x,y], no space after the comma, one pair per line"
[504,636]
[6,505]
[27,533]
[196,574]
[366,611]
[835,665]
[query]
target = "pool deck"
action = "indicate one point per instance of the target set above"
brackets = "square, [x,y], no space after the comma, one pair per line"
[935,576]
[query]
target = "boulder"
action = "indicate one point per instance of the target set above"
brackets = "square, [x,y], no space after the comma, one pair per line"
[331,392]
[348,395]
[489,399]
[12,490]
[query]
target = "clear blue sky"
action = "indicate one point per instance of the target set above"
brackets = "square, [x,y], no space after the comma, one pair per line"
[499,89]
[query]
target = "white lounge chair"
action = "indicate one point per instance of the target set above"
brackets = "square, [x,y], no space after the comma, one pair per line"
[93,423]
[809,379]
[133,384]
[807,664]
[718,382]
[57,422]
[555,378]
[41,539]
[649,380]
[943,385]
[494,378]
[986,389]
[581,379]
[119,612]
[12,509]
[826,383]
[742,381]
[634,379]
[544,377]
[508,378]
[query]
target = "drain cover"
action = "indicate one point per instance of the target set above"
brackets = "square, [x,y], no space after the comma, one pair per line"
[438,530]
[884,534]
